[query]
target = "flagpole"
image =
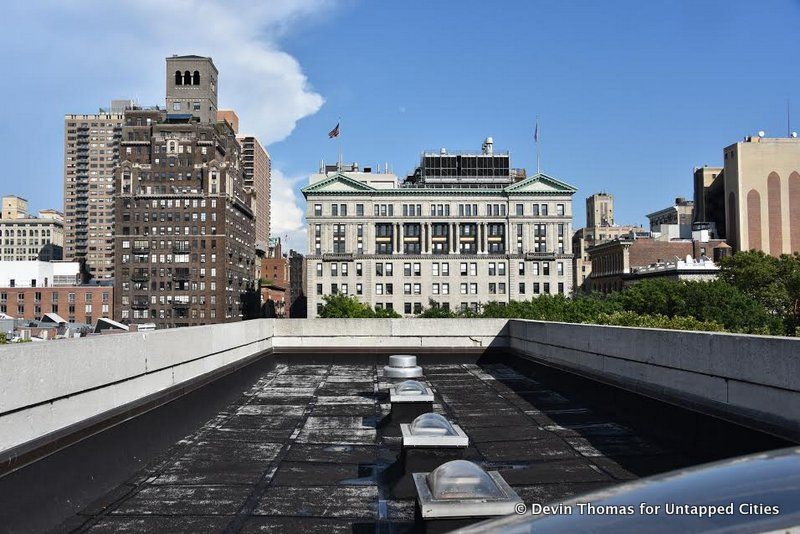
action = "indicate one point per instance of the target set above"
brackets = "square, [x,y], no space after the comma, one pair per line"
[538,151]
[339,142]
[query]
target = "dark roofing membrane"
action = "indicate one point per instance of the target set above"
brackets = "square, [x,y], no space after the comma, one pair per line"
[303,450]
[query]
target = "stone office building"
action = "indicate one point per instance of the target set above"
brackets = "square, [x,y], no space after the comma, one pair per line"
[753,200]
[24,237]
[185,232]
[464,229]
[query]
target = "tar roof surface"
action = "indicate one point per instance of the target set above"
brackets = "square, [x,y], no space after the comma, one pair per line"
[303,450]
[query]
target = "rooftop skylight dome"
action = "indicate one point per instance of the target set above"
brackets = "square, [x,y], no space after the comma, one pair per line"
[431,430]
[461,479]
[410,391]
[462,489]
[410,387]
[432,424]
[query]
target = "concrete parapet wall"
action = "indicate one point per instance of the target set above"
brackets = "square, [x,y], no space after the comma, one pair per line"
[751,380]
[390,333]
[49,386]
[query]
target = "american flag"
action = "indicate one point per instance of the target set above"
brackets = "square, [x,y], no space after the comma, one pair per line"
[334,133]
[535,132]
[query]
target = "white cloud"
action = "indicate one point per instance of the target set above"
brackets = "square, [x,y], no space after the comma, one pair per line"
[117,50]
[287,217]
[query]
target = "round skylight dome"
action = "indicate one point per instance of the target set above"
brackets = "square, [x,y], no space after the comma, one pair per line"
[410,387]
[432,424]
[461,479]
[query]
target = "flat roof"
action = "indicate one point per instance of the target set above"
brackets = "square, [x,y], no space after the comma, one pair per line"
[302,449]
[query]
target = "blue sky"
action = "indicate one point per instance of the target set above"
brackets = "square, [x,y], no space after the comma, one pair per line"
[630,95]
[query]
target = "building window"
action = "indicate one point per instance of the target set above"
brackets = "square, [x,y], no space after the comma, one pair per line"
[318,210]
[520,210]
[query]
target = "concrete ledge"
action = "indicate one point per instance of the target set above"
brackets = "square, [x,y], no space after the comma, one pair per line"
[50,389]
[749,380]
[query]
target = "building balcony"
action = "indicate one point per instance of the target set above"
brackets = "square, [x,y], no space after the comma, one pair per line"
[140,250]
[181,275]
[337,256]
[540,256]
[140,277]
[140,304]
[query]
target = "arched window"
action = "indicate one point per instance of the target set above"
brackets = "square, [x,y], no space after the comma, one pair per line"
[196,78]
[754,220]
[732,230]
[187,78]
[794,211]
[178,78]
[774,214]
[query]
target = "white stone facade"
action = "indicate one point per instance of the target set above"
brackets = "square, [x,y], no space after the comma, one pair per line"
[401,246]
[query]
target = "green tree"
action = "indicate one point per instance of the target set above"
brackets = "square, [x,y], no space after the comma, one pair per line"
[436,311]
[342,306]
[629,318]
[716,301]
[773,282]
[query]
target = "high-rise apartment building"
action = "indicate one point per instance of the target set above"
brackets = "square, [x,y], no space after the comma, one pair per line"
[758,192]
[91,153]
[462,230]
[185,232]
[257,172]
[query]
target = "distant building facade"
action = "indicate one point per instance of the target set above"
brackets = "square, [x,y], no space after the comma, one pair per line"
[673,222]
[297,286]
[464,229]
[185,233]
[91,153]
[600,210]
[257,173]
[619,262]
[14,207]
[24,237]
[31,289]
[275,291]
[709,198]
[758,188]
[600,228]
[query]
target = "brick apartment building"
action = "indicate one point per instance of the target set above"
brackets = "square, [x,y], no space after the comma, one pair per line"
[275,293]
[184,231]
[31,289]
